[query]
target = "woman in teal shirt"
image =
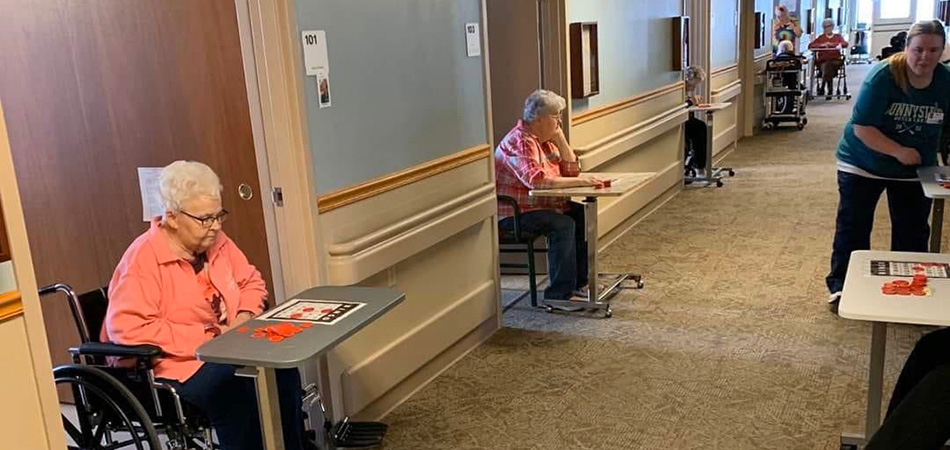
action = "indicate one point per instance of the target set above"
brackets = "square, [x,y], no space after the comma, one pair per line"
[894,129]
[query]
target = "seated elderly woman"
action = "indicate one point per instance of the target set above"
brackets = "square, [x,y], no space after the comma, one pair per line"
[535,155]
[827,56]
[182,283]
[694,128]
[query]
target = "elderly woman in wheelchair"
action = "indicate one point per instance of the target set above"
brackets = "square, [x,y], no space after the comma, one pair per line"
[182,283]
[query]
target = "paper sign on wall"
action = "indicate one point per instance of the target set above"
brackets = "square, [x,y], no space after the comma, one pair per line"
[315,52]
[473,43]
[151,193]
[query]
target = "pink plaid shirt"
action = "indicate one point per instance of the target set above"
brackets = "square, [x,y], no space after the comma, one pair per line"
[521,160]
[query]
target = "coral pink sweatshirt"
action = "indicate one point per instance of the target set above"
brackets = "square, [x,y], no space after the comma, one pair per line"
[156,298]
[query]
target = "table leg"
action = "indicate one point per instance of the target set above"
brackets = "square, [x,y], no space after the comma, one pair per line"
[268,404]
[876,378]
[710,139]
[936,225]
[590,231]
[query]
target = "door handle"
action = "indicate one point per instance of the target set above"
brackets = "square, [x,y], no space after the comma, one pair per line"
[245,192]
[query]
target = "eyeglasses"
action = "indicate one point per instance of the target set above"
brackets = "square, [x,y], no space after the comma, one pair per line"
[208,222]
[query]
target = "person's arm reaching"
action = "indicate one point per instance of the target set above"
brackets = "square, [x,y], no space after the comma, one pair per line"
[877,141]
[526,165]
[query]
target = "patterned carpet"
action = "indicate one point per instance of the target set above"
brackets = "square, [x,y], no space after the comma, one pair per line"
[730,345]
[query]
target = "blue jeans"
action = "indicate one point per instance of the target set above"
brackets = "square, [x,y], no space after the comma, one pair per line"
[918,417]
[567,247]
[857,198]
[230,402]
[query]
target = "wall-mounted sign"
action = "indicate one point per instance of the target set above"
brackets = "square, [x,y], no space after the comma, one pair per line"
[315,52]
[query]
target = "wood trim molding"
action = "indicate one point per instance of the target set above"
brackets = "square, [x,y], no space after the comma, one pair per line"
[727,92]
[630,102]
[628,139]
[763,57]
[356,267]
[342,197]
[362,243]
[721,70]
[11,305]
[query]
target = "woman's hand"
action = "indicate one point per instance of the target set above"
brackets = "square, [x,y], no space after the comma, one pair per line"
[591,181]
[907,156]
[242,316]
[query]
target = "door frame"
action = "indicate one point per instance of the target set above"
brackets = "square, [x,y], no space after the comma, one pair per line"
[281,137]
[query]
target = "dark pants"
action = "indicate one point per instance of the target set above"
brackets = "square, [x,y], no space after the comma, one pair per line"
[567,247]
[695,130]
[857,198]
[918,417]
[829,70]
[230,402]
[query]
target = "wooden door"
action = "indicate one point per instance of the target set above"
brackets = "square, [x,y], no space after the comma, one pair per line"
[94,89]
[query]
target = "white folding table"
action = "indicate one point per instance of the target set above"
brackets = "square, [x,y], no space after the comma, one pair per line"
[862,299]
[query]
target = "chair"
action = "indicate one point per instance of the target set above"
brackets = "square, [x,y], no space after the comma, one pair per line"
[125,405]
[517,236]
[115,403]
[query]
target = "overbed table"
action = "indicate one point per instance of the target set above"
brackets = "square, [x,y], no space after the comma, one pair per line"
[265,356]
[621,183]
[713,174]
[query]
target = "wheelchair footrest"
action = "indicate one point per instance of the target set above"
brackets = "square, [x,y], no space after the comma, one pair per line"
[358,434]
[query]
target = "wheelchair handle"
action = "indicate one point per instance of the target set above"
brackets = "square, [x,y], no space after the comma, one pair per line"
[73,306]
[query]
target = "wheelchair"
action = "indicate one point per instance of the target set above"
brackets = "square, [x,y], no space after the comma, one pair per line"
[840,83]
[127,407]
[785,94]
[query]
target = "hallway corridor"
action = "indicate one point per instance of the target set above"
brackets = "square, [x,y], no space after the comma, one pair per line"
[729,347]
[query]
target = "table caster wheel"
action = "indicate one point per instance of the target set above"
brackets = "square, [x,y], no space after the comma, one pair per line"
[732,173]
[608,313]
[718,183]
[549,309]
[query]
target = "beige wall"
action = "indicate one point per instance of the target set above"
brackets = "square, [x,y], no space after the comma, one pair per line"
[434,240]
[725,86]
[641,134]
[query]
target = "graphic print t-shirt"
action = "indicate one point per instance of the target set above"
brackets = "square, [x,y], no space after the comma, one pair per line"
[913,119]
[784,32]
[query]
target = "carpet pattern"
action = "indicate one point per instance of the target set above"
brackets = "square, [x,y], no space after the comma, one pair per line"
[729,346]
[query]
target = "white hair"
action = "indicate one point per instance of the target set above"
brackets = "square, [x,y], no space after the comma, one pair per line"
[786,47]
[694,73]
[828,22]
[181,181]
[542,102]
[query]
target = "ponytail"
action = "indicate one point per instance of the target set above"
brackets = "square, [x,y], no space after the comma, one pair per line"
[897,63]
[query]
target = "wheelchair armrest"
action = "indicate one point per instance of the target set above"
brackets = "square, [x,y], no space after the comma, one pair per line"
[146,351]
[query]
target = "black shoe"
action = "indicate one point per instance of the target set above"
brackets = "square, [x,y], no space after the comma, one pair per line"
[833,301]
[821,90]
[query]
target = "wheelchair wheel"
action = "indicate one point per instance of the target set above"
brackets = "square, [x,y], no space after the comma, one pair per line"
[107,414]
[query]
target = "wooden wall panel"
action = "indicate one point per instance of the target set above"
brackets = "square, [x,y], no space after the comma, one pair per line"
[92,90]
